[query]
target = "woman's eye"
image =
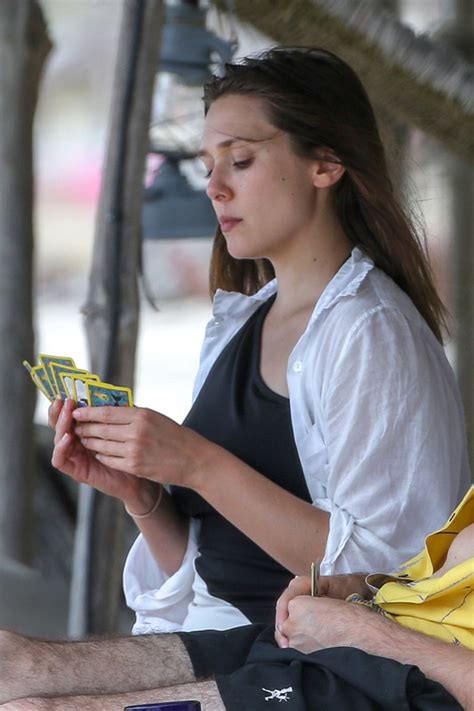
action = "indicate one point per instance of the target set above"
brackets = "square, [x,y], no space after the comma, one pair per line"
[204,171]
[241,164]
[238,164]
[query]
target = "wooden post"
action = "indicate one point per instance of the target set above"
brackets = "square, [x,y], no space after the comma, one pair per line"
[112,306]
[24,46]
[462,189]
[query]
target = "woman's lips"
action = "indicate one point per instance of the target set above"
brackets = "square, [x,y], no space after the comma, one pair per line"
[228,223]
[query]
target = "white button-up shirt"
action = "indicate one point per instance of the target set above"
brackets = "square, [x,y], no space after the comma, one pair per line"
[378,424]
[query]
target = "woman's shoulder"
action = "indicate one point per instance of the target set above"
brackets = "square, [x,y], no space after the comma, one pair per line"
[361,294]
[377,327]
[379,301]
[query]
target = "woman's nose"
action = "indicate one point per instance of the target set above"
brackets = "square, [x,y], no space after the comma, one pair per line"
[217,189]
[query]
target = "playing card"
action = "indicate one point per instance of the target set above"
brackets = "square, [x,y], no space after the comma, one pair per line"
[100,394]
[47,360]
[27,366]
[76,384]
[58,376]
[40,379]
[58,369]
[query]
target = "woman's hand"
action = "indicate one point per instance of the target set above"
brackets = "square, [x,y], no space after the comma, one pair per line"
[143,443]
[81,463]
[334,586]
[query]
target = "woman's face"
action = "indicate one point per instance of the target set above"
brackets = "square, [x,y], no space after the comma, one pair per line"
[261,191]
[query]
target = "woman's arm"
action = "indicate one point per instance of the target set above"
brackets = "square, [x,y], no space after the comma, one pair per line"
[290,530]
[165,530]
[150,446]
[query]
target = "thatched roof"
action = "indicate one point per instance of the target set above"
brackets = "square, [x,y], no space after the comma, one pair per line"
[412,77]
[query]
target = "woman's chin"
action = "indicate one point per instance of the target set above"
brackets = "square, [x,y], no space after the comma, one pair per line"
[241,251]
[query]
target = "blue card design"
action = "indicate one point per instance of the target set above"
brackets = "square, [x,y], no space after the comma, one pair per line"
[100,394]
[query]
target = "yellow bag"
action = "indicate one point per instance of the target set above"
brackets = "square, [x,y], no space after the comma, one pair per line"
[442,607]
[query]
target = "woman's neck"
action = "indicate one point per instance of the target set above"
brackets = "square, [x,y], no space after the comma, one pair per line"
[302,277]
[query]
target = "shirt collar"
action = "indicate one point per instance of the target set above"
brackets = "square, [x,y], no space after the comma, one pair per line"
[235,304]
[345,282]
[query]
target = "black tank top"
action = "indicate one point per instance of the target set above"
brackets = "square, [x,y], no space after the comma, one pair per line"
[238,411]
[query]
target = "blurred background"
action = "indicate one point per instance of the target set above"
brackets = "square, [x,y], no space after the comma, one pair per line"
[70,141]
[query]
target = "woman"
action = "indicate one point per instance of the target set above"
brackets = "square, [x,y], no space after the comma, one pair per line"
[324,405]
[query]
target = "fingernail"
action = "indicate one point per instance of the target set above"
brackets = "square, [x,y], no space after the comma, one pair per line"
[64,437]
[279,628]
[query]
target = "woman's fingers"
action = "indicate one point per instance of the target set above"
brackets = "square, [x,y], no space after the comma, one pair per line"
[103,423]
[106,415]
[64,421]
[54,411]
[62,450]
[112,433]
[104,446]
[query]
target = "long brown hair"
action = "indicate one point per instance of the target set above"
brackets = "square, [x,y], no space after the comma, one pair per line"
[319,101]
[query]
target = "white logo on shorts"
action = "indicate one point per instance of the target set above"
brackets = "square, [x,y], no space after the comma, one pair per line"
[280,694]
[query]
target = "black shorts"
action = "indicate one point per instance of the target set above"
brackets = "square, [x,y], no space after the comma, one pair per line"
[253,673]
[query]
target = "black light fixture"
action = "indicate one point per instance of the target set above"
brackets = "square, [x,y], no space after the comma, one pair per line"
[187,45]
[172,208]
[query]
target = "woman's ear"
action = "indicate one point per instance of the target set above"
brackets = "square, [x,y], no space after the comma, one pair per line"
[327,170]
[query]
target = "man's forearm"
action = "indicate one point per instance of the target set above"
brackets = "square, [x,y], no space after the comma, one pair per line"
[206,692]
[37,668]
[448,664]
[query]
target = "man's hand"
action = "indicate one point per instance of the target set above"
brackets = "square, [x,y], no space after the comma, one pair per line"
[319,622]
[334,586]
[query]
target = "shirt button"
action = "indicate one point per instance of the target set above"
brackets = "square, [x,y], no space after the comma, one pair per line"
[297,366]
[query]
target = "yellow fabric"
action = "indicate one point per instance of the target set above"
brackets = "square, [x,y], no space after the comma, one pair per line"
[442,607]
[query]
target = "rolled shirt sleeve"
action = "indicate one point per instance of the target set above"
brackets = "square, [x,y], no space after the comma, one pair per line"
[160,602]
[395,437]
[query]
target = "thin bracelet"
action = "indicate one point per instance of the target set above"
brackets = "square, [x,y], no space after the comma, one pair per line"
[151,511]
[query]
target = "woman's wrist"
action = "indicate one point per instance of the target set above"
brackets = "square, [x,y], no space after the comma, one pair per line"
[207,469]
[200,465]
[150,512]
[144,498]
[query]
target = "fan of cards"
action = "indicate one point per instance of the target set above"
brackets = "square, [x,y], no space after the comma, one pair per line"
[58,376]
